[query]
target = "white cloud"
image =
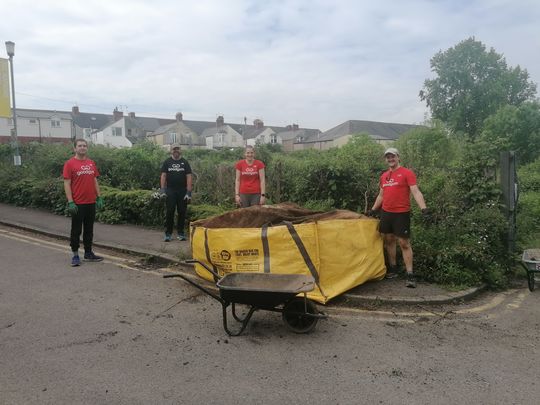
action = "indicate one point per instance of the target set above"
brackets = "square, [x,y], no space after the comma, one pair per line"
[317,63]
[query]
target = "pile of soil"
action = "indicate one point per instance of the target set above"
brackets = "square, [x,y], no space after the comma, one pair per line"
[257,216]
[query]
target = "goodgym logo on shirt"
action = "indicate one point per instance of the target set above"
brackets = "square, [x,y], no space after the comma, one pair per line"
[250,171]
[85,169]
[177,167]
[391,182]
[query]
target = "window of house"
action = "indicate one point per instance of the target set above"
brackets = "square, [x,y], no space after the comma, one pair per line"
[116,131]
[173,137]
[234,138]
[55,123]
[32,121]
[86,132]
[221,137]
[129,132]
[273,138]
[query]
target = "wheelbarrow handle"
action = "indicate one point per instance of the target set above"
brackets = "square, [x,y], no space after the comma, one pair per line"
[197,285]
[212,271]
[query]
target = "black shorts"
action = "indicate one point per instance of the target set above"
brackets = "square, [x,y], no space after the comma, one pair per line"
[397,223]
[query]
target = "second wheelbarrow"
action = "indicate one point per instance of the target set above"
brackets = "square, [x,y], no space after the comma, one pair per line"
[530,260]
[264,291]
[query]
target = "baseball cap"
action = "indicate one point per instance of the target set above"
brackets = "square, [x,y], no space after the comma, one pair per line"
[175,146]
[392,151]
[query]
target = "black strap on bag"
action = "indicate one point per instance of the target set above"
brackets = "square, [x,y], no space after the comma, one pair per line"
[207,252]
[266,248]
[305,255]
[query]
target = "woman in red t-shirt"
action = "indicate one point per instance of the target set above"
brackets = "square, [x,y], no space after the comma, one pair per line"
[250,185]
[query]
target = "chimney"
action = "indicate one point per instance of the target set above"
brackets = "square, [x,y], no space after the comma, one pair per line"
[75,110]
[131,115]
[295,127]
[220,121]
[117,114]
[179,117]
[258,124]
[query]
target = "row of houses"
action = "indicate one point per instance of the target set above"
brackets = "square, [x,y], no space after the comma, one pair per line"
[119,130]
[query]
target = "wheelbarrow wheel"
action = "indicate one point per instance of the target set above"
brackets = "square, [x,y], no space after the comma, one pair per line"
[530,276]
[295,317]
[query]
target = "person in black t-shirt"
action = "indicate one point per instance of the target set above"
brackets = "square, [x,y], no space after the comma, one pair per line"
[176,183]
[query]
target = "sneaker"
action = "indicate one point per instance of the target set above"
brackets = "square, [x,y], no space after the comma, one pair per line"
[91,257]
[167,238]
[181,236]
[391,272]
[75,261]
[411,280]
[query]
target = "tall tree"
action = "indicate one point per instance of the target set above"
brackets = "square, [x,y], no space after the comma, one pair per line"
[472,84]
[515,128]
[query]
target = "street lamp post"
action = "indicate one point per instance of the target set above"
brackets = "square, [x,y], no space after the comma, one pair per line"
[10,49]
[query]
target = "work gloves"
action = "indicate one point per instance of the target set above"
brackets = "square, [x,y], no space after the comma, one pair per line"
[427,216]
[99,202]
[72,208]
[187,197]
[373,213]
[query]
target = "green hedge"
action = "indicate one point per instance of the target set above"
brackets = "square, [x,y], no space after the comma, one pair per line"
[464,245]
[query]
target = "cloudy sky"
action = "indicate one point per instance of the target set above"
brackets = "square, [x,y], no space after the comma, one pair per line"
[317,63]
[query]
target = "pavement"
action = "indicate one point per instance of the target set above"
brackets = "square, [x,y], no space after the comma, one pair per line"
[148,242]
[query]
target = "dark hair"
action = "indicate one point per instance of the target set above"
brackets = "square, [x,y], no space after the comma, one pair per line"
[79,140]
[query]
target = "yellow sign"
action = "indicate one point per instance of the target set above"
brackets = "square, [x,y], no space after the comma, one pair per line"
[5,110]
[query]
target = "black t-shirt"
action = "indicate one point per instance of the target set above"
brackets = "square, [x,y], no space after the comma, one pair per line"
[176,170]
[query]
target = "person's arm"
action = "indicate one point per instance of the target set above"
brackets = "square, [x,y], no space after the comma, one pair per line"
[67,190]
[418,197]
[262,180]
[163,181]
[189,180]
[237,187]
[378,201]
[96,184]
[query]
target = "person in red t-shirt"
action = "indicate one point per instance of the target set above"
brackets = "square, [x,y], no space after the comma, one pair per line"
[250,183]
[396,185]
[83,195]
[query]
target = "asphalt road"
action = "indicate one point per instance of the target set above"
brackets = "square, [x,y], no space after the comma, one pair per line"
[116,333]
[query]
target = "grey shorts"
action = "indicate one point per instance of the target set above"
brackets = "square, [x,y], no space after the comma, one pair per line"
[247,200]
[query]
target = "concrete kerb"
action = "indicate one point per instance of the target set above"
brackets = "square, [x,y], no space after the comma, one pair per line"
[450,298]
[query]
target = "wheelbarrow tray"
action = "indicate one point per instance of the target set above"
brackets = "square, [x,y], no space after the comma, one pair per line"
[263,290]
[531,258]
[531,262]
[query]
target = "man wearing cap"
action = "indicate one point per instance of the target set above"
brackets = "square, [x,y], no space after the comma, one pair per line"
[396,185]
[176,183]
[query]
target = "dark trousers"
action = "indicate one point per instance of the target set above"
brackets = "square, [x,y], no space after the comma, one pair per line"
[83,221]
[175,201]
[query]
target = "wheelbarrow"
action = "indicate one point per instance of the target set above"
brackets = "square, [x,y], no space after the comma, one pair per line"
[531,262]
[263,291]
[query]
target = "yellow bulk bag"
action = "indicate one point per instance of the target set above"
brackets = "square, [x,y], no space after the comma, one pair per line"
[339,253]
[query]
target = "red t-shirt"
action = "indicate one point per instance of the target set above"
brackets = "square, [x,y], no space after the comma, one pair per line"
[82,174]
[396,191]
[250,181]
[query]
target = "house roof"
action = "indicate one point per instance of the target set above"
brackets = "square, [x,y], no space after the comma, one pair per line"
[376,130]
[253,132]
[27,113]
[90,120]
[305,133]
